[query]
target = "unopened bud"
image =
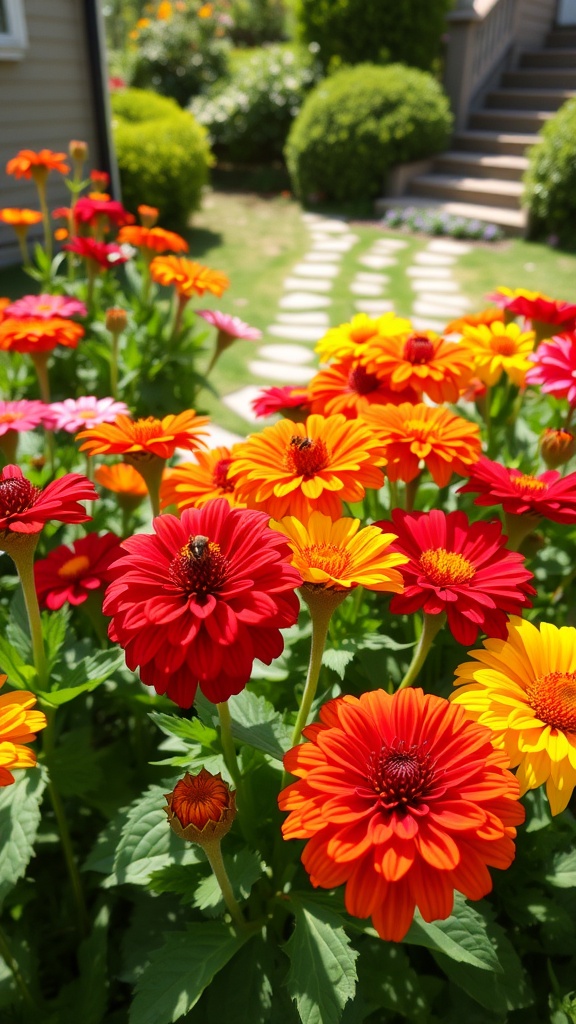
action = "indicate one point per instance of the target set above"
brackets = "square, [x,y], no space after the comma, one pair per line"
[201,808]
[148,215]
[78,150]
[116,320]
[100,180]
[557,447]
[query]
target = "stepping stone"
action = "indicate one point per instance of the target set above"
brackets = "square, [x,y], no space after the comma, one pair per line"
[297,332]
[286,373]
[430,273]
[311,218]
[316,270]
[376,262]
[436,309]
[310,319]
[434,259]
[286,353]
[342,244]
[332,226]
[371,278]
[427,324]
[217,437]
[449,247]
[373,308]
[312,284]
[391,244]
[323,257]
[365,288]
[445,302]
[304,300]
[240,402]
[440,287]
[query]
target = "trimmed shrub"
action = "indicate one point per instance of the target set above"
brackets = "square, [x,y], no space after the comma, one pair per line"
[163,159]
[248,119]
[353,31]
[550,180]
[359,123]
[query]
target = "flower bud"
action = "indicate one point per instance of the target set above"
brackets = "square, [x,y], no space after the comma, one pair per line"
[201,808]
[148,215]
[78,150]
[116,320]
[100,179]
[557,447]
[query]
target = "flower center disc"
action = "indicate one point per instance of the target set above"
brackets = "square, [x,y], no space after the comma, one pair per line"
[362,382]
[16,495]
[418,349]
[553,699]
[446,567]
[504,346]
[401,775]
[305,457]
[10,417]
[146,430]
[529,483]
[74,566]
[328,557]
[199,568]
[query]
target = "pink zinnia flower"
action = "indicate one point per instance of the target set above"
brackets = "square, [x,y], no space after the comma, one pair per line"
[555,367]
[88,210]
[21,415]
[232,326]
[75,414]
[103,254]
[282,400]
[44,307]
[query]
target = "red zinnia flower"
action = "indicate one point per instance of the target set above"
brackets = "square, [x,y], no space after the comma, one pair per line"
[25,508]
[72,573]
[549,494]
[196,602]
[536,307]
[405,802]
[88,210]
[461,568]
[284,400]
[101,254]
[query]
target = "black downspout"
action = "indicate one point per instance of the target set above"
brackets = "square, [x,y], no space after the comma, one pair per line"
[96,45]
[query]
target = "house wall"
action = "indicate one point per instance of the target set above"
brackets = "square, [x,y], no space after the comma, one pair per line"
[536,21]
[46,99]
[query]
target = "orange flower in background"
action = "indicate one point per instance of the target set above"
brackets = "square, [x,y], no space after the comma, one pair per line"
[18,726]
[28,164]
[201,808]
[350,338]
[524,690]
[499,348]
[164,12]
[486,316]
[152,239]
[347,387]
[20,218]
[411,434]
[340,556]
[148,215]
[192,484]
[188,277]
[423,362]
[206,11]
[36,335]
[405,800]
[145,436]
[298,468]
[123,480]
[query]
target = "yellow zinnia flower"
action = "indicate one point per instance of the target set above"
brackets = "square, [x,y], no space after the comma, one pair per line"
[524,690]
[499,348]
[349,339]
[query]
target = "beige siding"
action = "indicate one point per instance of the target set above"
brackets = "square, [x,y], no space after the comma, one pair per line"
[537,18]
[46,99]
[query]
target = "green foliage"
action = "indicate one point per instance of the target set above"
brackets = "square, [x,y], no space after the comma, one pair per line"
[359,123]
[322,974]
[249,116]
[352,31]
[19,821]
[550,192]
[257,21]
[163,161]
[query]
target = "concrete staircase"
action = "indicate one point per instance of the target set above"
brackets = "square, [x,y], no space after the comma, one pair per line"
[481,175]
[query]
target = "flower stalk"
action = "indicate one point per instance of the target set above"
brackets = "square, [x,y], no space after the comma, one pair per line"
[431,626]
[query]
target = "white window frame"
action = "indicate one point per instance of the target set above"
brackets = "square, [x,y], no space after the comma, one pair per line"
[14,42]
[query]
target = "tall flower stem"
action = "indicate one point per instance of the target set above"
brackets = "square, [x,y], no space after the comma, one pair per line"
[228,745]
[114,365]
[12,964]
[40,360]
[322,604]
[518,527]
[213,852]
[411,492]
[22,553]
[431,627]
[151,470]
[40,181]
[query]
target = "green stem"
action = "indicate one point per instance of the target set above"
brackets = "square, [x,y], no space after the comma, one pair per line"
[322,604]
[487,418]
[214,854]
[114,365]
[228,745]
[431,626]
[41,186]
[11,962]
[411,492]
[393,485]
[24,561]
[151,471]
[40,360]
[23,248]
[518,527]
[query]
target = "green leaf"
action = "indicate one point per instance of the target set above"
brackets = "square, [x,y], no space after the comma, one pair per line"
[54,625]
[19,674]
[86,998]
[564,874]
[322,976]
[84,677]
[182,879]
[73,765]
[387,979]
[256,722]
[244,868]
[180,970]
[463,937]
[249,983]
[17,628]
[102,855]
[538,814]
[19,820]
[337,659]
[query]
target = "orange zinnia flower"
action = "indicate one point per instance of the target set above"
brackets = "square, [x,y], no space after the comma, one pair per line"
[499,348]
[349,388]
[122,479]
[350,338]
[20,218]
[424,362]
[152,239]
[28,164]
[37,335]
[188,277]
[18,725]
[411,433]
[201,808]
[486,316]
[405,800]
[145,436]
[297,468]
[192,484]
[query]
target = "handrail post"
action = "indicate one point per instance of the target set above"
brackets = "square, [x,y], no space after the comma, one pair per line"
[459,67]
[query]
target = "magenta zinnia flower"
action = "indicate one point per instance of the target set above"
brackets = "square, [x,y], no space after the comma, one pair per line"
[44,307]
[25,508]
[555,367]
[71,573]
[21,415]
[461,568]
[282,400]
[75,414]
[233,326]
[195,602]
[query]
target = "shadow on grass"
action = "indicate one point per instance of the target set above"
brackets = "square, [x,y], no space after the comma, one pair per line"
[203,240]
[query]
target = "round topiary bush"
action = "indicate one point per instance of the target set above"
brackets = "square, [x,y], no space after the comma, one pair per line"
[550,180]
[351,31]
[163,159]
[359,123]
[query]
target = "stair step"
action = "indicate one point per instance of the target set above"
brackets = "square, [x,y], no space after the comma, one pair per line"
[561,37]
[510,120]
[482,165]
[513,222]
[485,191]
[541,78]
[512,143]
[528,99]
[559,57]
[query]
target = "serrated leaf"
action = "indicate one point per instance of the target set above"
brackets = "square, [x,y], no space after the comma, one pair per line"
[84,677]
[178,973]
[244,868]
[19,674]
[73,765]
[182,879]
[102,854]
[387,979]
[54,625]
[256,722]
[322,976]
[249,983]
[337,659]
[19,820]
[462,937]
[563,875]
[147,842]
[191,730]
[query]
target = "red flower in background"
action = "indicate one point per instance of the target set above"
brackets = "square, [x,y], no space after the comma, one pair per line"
[25,508]
[549,494]
[104,254]
[281,400]
[71,573]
